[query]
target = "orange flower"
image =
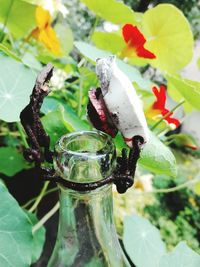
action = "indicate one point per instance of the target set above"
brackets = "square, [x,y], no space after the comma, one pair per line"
[135,41]
[44,33]
[158,107]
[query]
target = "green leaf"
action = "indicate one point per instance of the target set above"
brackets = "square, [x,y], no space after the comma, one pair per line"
[65,36]
[11,161]
[38,238]
[18,15]
[169,37]
[30,61]
[142,242]
[158,158]
[181,256]
[16,84]
[190,90]
[15,233]
[93,53]
[54,124]
[74,122]
[109,41]
[115,12]
[61,121]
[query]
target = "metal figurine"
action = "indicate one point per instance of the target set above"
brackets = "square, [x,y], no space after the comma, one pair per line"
[105,114]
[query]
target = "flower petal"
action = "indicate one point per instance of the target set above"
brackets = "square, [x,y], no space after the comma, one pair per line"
[49,39]
[160,94]
[43,17]
[135,40]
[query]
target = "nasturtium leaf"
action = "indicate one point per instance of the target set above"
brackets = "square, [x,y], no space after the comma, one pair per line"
[158,158]
[70,116]
[116,12]
[177,96]
[54,124]
[190,90]
[65,36]
[93,53]
[11,161]
[142,242]
[61,121]
[15,233]
[30,61]
[168,36]
[182,256]
[16,84]
[109,41]
[38,238]
[20,17]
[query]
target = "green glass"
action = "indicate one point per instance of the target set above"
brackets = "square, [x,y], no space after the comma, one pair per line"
[86,234]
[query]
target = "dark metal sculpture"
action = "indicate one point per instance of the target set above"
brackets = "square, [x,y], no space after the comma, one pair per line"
[39,142]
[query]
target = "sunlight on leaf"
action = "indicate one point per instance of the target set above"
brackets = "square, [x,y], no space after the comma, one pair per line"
[116,12]
[20,17]
[169,37]
[189,90]
[16,84]
[109,41]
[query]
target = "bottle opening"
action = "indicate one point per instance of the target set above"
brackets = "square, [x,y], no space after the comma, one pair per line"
[86,156]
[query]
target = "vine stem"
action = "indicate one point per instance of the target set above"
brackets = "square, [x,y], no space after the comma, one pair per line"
[33,199]
[47,216]
[39,198]
[21,131]
[176,188]
[166,115]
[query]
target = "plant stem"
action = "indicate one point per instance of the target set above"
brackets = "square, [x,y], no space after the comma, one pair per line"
[176,188]
[93,27]
[80,98]
[166,115]
[40,196]
[45,218]
[20,129]
[33,199]
[6,21]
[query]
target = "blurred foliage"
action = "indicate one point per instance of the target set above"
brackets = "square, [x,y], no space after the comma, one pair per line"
[176,214]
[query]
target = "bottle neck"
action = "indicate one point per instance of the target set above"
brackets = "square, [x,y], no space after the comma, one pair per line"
[86,222]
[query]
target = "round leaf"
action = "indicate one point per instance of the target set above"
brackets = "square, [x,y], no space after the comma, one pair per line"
[20,16]
[181,256]
[158,158]
[16,84]
[190,90]
[109,41]
[15,233]
[11,161]
[38,238]
[169,37]
[142,242]
[116,12]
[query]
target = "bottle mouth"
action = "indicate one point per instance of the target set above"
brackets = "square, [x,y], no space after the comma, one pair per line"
[85,156]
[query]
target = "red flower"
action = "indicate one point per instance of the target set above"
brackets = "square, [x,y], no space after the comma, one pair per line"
[135,41]
[158,106]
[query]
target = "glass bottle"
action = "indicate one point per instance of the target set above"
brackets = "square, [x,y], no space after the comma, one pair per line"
[86,234]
